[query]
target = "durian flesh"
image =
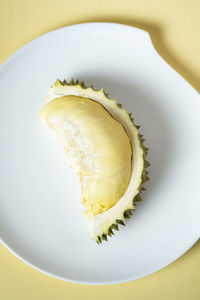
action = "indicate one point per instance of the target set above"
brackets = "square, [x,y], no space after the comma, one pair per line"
[104,149]
[98,146]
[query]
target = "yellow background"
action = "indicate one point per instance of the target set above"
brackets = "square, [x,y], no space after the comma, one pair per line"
[174,26]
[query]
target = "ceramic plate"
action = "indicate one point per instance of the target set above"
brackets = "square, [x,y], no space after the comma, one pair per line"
[41,216]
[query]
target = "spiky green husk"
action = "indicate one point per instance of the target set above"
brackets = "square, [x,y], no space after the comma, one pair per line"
[144,178]
[128,213]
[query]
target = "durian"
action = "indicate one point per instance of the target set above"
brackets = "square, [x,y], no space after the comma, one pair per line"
[105,149]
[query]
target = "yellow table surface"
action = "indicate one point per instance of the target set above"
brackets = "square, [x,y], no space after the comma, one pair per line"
[174,26]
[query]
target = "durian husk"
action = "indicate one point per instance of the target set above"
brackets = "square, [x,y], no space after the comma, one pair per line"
[116,215]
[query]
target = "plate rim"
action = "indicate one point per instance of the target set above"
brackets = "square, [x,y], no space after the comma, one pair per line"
[10,248]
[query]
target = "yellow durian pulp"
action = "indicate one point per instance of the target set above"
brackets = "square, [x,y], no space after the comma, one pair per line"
[98,147]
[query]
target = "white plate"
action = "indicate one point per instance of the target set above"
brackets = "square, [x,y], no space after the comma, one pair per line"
[41,218]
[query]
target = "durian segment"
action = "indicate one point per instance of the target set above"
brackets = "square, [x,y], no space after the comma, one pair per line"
[98,146]
[103,224]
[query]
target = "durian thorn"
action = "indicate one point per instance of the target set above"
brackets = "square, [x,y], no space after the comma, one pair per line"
[145,179]
[57,82]
[143,188]
[130,212]
[126,214]
[104,237]
[138,198]
[110,232]
[106,94]
[71,82]
[144,172]
[120,222]
[82,84]
[115,226]
[146,163]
